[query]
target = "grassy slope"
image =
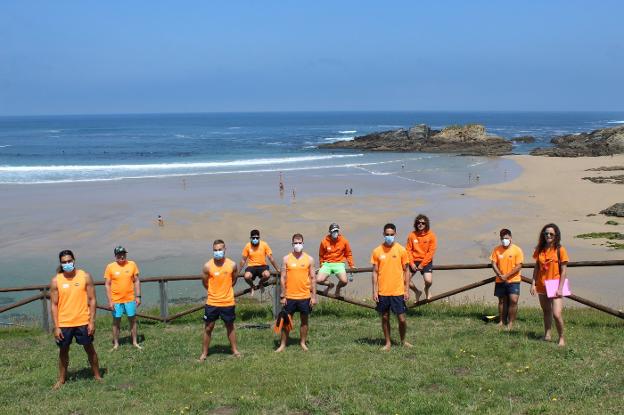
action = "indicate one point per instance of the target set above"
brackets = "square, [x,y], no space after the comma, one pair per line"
[458,365]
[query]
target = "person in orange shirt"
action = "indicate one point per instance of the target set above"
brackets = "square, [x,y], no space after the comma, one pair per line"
[333,253]
[551,263]
[255,254]
[507,261]
[123,289]
[297,280]
[391,278]
[220,274]
[73,304]
[421,246]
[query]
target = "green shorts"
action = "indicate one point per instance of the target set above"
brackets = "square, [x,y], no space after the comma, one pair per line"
[333,268]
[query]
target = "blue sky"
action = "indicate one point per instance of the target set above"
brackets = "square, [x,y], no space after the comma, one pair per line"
[86,57]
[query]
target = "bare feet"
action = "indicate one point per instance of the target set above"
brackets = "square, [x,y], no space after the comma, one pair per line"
[408,345]
[304,347]
[561,342]
[115,347]
[546,338]
[138,346]
[58,385]
[202,357]
[418,293]
[98,379]
[386,348]
[236,354]
[280,349]
[253,291]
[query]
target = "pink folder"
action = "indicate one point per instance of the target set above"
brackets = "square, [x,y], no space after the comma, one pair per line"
[552,285]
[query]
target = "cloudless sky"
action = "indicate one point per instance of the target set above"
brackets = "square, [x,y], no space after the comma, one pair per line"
[87,57]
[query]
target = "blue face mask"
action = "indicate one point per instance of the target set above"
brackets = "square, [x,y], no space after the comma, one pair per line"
[389,239]
[334,235]
[69,267]
[218,254]
[255,241]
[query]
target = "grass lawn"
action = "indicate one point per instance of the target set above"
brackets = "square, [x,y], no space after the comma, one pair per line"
[458,365]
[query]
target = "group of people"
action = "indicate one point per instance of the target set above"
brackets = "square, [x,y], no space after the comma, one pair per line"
[73,301]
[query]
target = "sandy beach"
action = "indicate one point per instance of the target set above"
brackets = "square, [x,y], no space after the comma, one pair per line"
[92,218]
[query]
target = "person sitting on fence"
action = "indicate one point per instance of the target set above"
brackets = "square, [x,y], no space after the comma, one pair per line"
[73,305]
[551,263]
[507,261]
[421,246]
[297,280]
[333,252]
[255,254]
[391,278]
[219,278]
[123,289]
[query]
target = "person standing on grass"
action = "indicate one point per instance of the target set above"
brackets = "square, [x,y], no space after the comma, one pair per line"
[297,280]
[73,303]
[220,274]
[507,261]
[255,254]
[391,278]
[123,289]
[421,246]
[551,263]
[333,253]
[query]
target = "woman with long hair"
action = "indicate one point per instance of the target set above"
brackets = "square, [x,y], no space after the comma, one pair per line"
[421,246]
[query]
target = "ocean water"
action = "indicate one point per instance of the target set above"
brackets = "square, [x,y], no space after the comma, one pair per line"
[53,149]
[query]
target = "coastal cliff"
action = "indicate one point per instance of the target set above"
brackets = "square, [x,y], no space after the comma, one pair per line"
[603,142]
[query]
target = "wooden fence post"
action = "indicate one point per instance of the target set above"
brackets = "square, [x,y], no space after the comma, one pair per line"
[45,311]
[164,301]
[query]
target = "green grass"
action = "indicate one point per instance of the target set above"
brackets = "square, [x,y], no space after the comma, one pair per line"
[611,236]
[611,222]
[458,365]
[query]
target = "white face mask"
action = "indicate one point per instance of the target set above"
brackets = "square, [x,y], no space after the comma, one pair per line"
[506,242]
[298,247]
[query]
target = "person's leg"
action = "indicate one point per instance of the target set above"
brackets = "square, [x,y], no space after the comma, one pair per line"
[63,364]
[266,274]
[231,335]
[322,279]
[342,282]
[303,331]
[133,331]
[501,311]
[283,341]
[208,327]
[116,326]
[402,318]
[385,326]
[513,310]
[93,360]
[557,308]
[428,278]
[546,305]
[248,276]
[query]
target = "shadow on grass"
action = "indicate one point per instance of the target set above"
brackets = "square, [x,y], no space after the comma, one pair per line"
[220,349]
[84,373]
[128,339]
[292,341]
[377,341]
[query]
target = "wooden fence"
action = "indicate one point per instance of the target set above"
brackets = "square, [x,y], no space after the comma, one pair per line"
[164,316]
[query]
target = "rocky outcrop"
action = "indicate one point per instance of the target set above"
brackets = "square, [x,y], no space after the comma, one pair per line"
[526,139]
[614,210]
[470,139]
[603,142]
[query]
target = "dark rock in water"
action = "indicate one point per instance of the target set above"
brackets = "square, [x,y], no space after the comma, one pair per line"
[604,142]
[524,139]
[468,139]
[614,210]
[619,179]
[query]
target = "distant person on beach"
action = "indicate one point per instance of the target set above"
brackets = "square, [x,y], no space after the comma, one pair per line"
[551,263]
[281,184]
[421,246]
[391,278]
[350,191]
[299,289]
[507,261]
[73,306]
[255,254]
[219,278]
[123,289]
[333,252]
[160,221]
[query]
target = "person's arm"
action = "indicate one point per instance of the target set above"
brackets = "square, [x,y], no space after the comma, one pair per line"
[92,300]
[272,261]
[562,277]
[406,277]
[375,283]
[535,272]
[242,262]
[349,255]
[109,296]
[205,275]
[409,246]
[513,271]
[321,252]
[283,281]
[54,297]
[137,289]
[234,273]
[433,245]
[497,271]
[312,274]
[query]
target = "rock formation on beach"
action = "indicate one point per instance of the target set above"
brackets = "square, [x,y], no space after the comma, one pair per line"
[603,142]
[614,210]
[468,139]
[527,139]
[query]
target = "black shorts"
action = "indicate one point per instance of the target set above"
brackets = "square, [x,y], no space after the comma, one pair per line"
[256,271]
[427,268]
[302,306]
[212,313]
[503,289]
[80,333]
[396,303]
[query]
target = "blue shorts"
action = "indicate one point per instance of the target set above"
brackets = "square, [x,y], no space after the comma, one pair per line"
[302,306]
[212,313]
[79,332]
[119,309]
[503,289]
[396,303]
[427,268]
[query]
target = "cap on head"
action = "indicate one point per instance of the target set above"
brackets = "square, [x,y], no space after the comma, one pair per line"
[334,227]
[255,232]
[120,250]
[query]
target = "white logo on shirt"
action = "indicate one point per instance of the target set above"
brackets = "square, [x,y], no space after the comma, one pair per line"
[382,256]
[217,273]
[501,256]
[329,248]
[415,241]
[116,272]
[294,264]
[65,285]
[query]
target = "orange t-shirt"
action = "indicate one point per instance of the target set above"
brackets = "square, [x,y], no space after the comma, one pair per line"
[548,269]
[335,250]
[390,262]
[122,280]
[298,277]
[73,308]
[220,278]
[256,256]
[507,259]
[421,247]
